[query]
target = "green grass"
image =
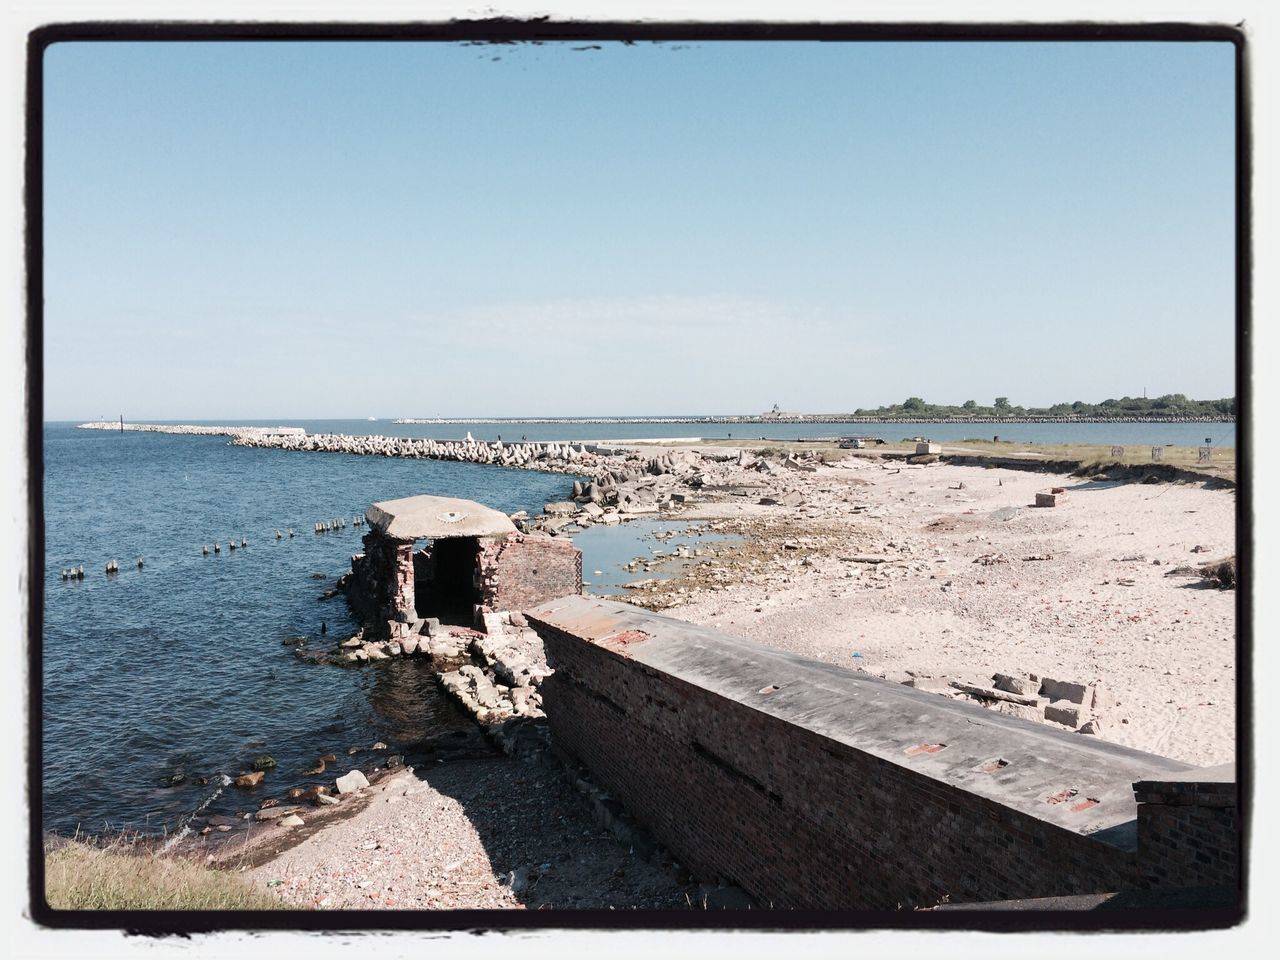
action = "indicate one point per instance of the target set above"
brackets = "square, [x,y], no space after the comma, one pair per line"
[122,876]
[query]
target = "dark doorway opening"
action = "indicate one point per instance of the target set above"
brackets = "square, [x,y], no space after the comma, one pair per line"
[446,588]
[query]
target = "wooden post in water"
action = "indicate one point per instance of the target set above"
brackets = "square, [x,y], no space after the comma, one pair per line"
[122,423]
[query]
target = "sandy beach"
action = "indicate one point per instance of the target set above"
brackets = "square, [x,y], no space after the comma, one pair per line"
[978,581]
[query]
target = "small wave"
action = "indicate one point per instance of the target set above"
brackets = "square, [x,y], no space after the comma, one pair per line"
[185,829]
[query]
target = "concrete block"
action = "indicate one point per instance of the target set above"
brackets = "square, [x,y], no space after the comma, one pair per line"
[1066,713]
[1019,710]
[1066,690]
[1101,698]
[990,693]
[1047,499]
[927,448]
[930,684]
[1019,685]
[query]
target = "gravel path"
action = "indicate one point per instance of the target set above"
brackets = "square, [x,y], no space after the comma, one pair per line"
[451,836]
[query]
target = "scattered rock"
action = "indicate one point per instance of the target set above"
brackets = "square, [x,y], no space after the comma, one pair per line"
[351,782]
[274,813]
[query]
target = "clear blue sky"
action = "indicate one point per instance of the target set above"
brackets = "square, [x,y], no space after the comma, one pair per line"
[347,230]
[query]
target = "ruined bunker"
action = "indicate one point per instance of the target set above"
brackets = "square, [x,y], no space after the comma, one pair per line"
[474,562]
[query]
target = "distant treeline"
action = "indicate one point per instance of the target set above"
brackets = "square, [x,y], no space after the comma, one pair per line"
[1174,406]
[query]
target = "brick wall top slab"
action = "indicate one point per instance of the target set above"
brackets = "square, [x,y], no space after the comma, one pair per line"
[1204,787]
[947,740]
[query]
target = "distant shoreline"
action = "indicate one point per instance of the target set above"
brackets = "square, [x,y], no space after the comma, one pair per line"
[811,418]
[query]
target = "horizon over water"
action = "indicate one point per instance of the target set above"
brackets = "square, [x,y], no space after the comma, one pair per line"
[1181,433]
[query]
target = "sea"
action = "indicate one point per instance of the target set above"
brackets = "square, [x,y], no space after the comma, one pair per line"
[160,681]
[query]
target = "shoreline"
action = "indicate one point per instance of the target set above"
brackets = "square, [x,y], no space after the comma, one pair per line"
[927,572]
[816,418]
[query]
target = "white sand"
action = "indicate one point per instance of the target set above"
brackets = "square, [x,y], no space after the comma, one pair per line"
[1164,646]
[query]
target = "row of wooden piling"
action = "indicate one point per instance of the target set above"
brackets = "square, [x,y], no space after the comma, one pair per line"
[321,526]
[77,572]
[338,523]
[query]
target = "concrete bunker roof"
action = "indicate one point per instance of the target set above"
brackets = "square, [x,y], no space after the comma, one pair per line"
[436,518]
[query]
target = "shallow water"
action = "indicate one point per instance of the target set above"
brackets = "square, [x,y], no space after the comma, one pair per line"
[610,549]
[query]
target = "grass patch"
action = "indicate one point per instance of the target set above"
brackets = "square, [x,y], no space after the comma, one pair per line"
[118,875]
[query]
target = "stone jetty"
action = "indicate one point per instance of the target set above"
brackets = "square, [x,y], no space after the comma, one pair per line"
[554,457]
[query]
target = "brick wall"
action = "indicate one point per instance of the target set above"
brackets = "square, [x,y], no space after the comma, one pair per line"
[381,585]
[524,570]
[1188,833]
[795,818]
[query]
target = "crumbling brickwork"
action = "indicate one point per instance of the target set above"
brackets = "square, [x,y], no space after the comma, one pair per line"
[514,572]
[796,818]
[381,585]
[524,570]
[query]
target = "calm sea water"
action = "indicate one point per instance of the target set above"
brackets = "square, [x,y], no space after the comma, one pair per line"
[179,666]
[1180,434]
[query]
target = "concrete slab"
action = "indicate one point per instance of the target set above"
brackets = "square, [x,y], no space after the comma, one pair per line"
[1049,774]
[427,517]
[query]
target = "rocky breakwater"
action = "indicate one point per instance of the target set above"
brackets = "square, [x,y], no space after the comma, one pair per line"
[627,484]
[552,456]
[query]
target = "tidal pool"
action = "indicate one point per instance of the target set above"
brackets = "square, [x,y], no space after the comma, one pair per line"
[608,549]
